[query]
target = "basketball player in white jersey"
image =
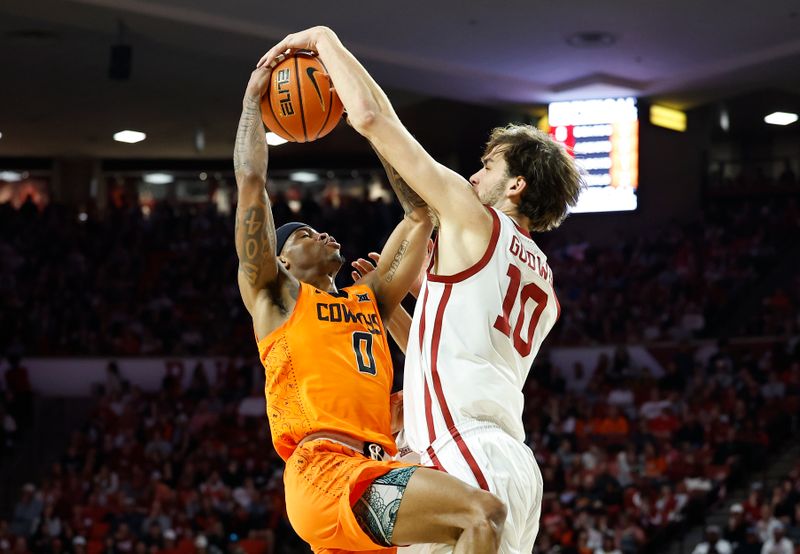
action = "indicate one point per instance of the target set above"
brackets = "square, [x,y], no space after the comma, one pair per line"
[487,302]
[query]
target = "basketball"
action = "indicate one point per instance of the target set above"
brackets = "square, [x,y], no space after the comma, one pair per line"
[300,105]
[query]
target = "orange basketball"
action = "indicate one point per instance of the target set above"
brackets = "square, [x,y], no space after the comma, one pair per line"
[300,104]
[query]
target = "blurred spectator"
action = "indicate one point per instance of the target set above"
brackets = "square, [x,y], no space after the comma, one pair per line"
[608,546]
[778,543]
[736,526]
[26,512]
[751,543]
[767,523]
[713,543]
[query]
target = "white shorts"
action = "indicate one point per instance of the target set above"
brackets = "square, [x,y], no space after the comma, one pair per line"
[511,472]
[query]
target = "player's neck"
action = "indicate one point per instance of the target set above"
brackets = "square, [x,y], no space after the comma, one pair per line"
[510,209]
[522,221]
[325,282]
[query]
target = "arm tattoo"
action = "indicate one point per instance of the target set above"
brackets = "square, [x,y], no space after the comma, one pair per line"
[250,152]
[409,199]
[398,257]
[255,239]
[254,228]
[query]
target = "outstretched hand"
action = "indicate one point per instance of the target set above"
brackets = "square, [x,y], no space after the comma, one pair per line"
[364,267]
[303,40]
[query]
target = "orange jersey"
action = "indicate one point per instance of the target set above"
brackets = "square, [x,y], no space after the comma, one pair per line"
[328,368]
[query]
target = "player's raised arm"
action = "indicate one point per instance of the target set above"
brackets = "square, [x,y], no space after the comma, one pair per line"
[406,249]
[255,228]
[371,114]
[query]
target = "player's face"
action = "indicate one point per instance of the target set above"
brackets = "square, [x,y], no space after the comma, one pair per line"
[491,181]
[307,249]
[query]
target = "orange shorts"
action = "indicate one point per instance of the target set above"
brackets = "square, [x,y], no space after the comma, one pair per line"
[323,480]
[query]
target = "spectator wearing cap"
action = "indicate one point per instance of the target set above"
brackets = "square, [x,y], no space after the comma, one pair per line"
[778,543]
[713,543]
[200,544]
[767,523]
[736,527]
[170,542]
[79,545]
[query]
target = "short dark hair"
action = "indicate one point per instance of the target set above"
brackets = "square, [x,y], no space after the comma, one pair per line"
[554,180]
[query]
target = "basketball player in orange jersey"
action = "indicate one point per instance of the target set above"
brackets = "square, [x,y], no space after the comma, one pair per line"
[488,299]
[329,376]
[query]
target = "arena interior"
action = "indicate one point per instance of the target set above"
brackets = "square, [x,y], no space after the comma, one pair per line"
[663,406]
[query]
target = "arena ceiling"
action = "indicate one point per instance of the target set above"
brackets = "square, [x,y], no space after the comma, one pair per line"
[191,59]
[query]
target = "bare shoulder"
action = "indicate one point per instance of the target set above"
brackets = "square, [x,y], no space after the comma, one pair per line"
[461,246]
[275,303]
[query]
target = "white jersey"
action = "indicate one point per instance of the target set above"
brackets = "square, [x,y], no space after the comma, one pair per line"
[473,338]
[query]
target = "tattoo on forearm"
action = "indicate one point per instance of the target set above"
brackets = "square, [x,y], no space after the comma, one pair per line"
[254,228]
[398,257]
[409,199]
[255,238]
[250,151]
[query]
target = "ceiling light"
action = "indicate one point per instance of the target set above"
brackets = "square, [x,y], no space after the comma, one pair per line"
[1,135]
[10,176]
[724,120]
[129,136]
[275,140]
[158,178]
[780,118]
[304,177]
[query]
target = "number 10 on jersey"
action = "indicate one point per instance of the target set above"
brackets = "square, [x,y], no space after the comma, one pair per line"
[531,291]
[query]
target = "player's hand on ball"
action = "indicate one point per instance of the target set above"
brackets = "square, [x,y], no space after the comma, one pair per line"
[364,267]
[303,40]
[257,85]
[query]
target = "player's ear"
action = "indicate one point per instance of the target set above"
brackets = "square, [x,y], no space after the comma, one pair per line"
[517,186]
[284,261]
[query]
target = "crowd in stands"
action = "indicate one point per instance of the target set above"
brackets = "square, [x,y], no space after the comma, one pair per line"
[162,284]
[136,285]
[681,281]
[188,469]
[767,522]
[627,454]
[627,458]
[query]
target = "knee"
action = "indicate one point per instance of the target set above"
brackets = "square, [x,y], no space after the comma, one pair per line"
[487,514]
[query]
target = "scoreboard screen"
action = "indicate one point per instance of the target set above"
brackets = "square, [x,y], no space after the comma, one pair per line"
[603,137]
